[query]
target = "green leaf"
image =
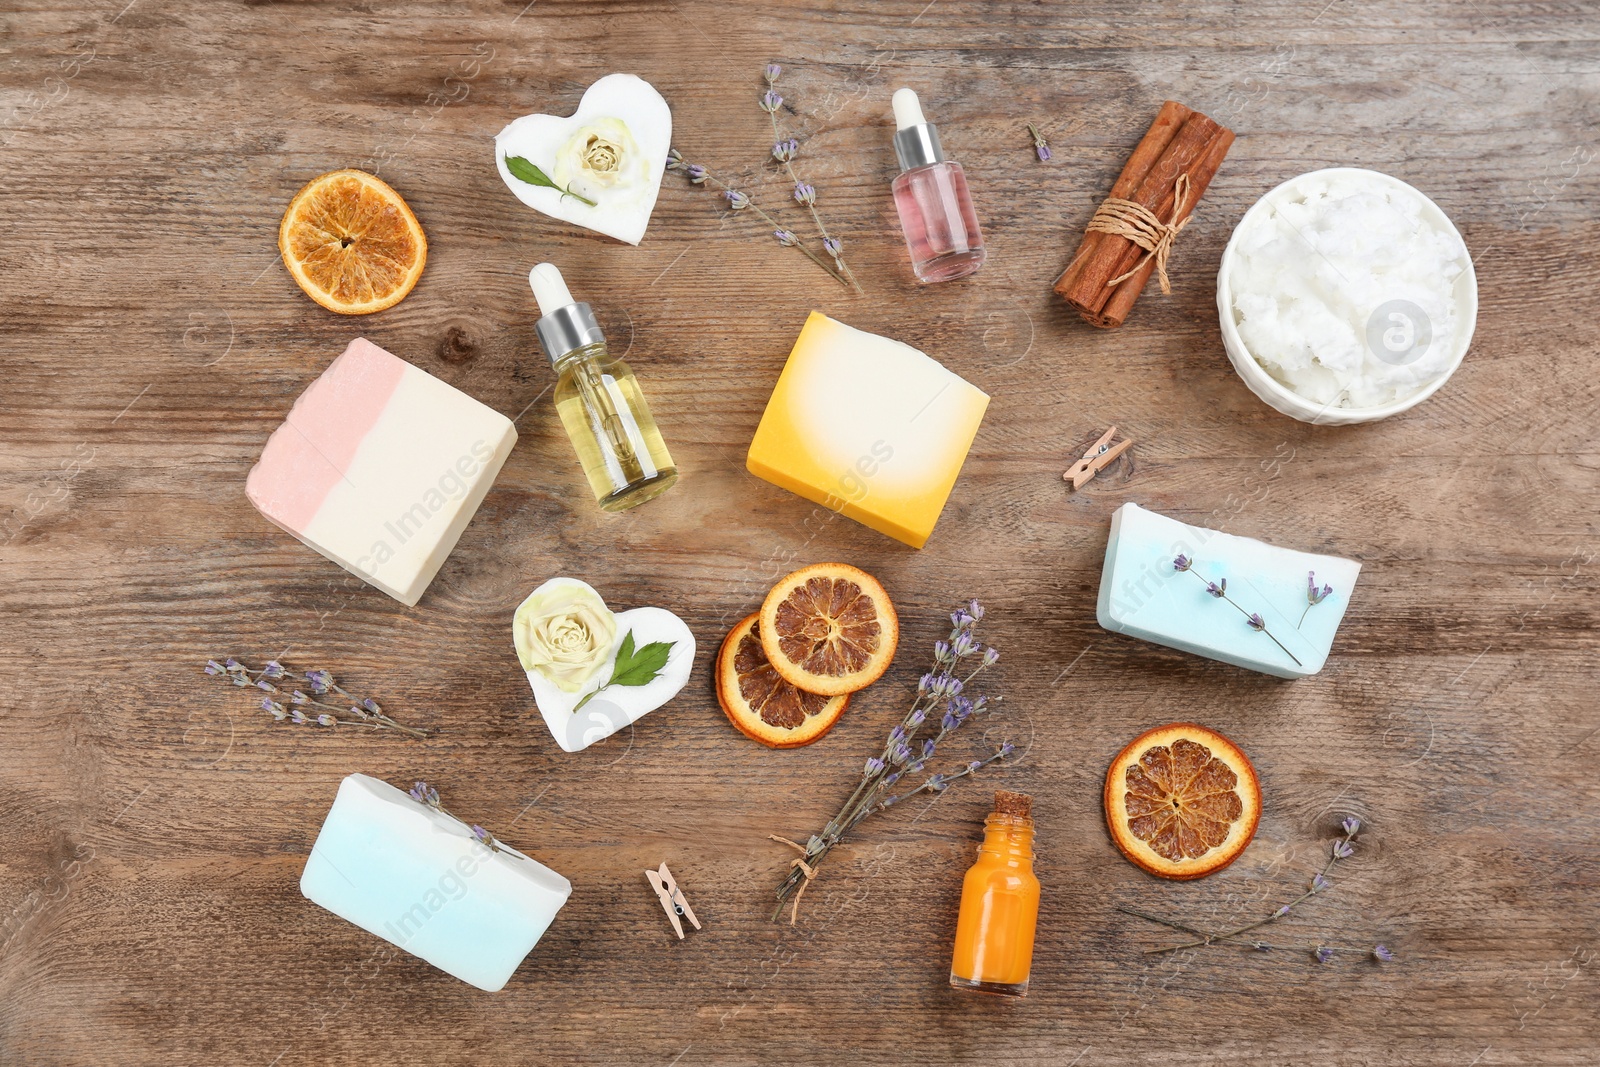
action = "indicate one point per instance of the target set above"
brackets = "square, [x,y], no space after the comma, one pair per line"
[646,665]
[524,171]
[635,668]
[624,655]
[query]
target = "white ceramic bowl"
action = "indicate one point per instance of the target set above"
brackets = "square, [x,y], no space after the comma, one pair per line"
[1277,395]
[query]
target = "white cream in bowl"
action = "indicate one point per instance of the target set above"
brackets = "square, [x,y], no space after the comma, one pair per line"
[1345,296]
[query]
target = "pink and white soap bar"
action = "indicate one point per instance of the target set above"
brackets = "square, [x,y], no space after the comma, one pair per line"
[379,467]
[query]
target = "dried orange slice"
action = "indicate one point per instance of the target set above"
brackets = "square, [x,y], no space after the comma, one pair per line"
[351,243]
[829,628]
[1182,801]
[759,703]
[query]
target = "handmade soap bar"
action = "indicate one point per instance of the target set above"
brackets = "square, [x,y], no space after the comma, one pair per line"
[1144,595]
[421,881]
[379,467]
[868,427]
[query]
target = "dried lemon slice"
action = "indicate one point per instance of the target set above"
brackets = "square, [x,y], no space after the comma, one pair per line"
[1182,801]
[352,243]
[759,703]
[829,628]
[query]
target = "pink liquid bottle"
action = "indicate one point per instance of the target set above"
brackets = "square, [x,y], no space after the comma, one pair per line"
[931,195]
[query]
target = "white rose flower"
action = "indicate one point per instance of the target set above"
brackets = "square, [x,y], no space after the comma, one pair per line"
[564,631]
[602,159]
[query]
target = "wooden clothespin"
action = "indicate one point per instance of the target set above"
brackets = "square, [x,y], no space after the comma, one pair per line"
[1099,456]
[672,898]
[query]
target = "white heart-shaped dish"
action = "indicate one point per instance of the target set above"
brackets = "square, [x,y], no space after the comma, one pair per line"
[602,713]
[631,159]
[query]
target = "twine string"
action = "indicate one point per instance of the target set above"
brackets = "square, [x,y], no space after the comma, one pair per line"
[806,869]
[1125,218]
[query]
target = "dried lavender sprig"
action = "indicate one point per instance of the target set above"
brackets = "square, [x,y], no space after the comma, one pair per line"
[941,684]
[740,201]
[282,713]
[321,682]
[427,796]
[784,150]
[1188,929]
[960,709]
[1313,596]
[908,748]
[1041,147]
[1342,849]
[298,717]
[231,667]
[367,713]
[1219,590]
[1380,952]
[938,783]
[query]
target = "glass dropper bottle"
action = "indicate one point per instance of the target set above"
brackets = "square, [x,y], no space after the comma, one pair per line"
[599,401]
[999,904]
[931,197]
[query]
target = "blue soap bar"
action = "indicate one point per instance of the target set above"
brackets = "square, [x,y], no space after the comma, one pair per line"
[1144,595]
[420,880]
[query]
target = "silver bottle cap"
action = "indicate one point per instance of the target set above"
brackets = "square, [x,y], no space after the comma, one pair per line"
[568,328]
[566,324]
[916,141]
[917,146]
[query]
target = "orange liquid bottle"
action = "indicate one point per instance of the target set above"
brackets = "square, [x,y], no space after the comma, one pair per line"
[999,904]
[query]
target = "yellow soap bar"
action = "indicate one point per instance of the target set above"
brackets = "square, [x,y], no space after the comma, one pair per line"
[868,427]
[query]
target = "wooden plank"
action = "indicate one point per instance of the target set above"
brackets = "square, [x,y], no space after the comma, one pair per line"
[149,910]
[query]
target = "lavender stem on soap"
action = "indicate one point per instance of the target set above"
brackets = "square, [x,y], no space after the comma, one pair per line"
[1219,589]
[428,797]
[1313,596]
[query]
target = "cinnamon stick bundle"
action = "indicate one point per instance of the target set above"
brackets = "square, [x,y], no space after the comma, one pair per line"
[1165,177]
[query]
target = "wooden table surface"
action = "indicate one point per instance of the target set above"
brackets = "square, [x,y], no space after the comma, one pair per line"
[156,822]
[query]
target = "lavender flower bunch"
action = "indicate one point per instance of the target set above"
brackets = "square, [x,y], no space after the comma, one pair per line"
[942,705]
[742,201]
[784,150]
[1219,589]
[288,702]
[1342,849]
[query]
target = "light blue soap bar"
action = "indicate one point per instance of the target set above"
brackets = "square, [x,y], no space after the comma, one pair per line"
[418,879]
[1143,595]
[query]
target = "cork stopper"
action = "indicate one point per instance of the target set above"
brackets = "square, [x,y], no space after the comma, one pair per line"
[1018,804]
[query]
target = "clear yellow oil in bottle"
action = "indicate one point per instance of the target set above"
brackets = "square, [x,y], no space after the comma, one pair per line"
[612,430]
